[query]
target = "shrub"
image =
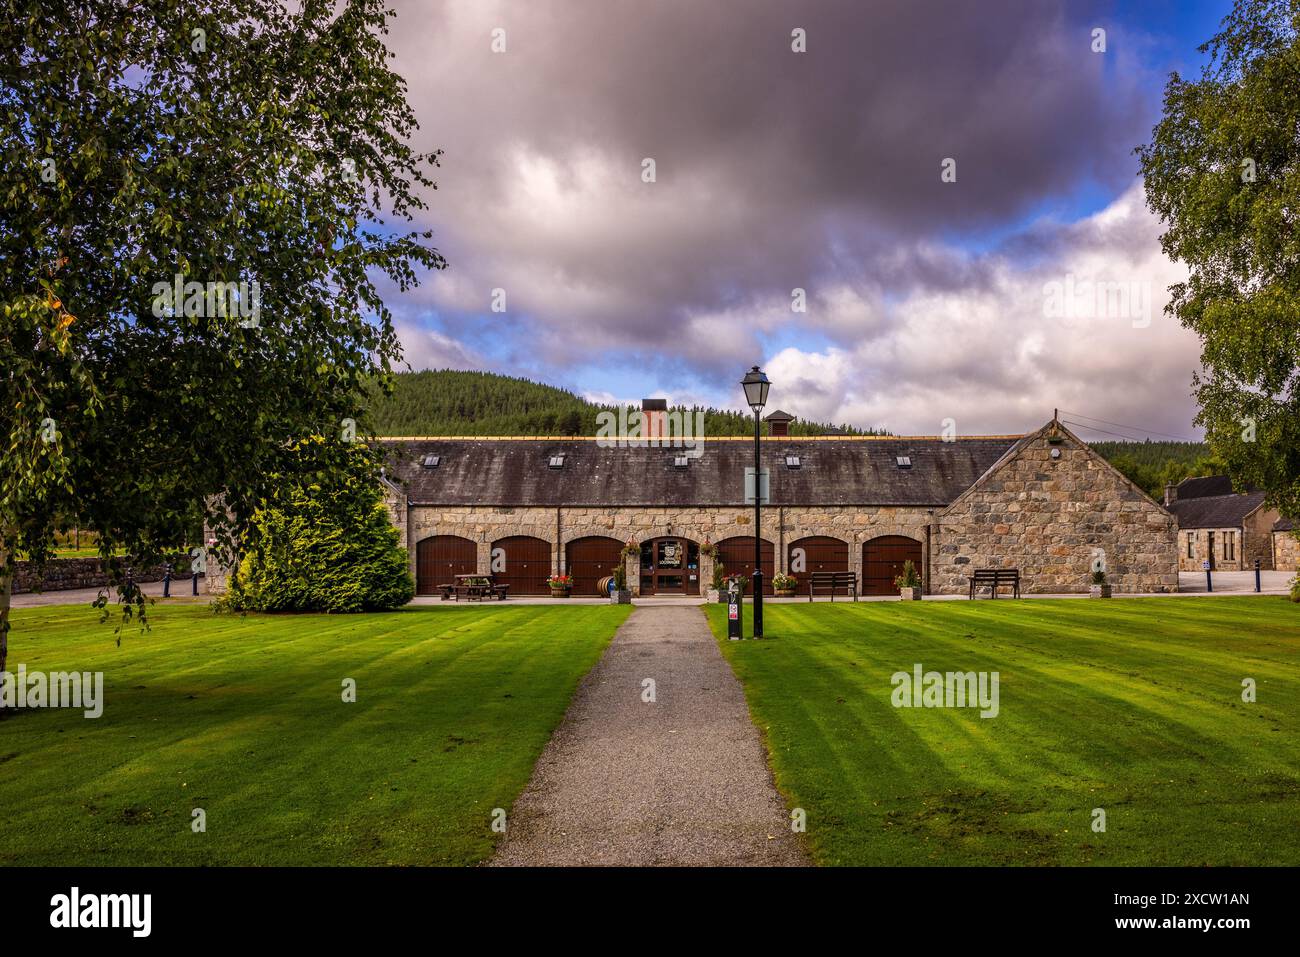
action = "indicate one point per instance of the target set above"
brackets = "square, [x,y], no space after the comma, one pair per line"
[1295,586]
[910,578]
[325,542]
[1098,577]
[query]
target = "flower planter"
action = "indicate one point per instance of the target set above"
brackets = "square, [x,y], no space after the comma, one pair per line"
[620,597]
[909,594]
[1099,591]
[559,593]
[713,596]
[784,592]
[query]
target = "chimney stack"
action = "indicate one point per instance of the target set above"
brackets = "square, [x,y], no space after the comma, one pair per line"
[654,415]
[1171,494]
[778,423]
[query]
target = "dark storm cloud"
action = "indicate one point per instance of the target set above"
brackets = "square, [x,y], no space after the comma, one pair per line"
[775,170]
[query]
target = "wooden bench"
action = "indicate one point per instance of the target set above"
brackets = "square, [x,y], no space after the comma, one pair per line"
[993,579]
[832,581]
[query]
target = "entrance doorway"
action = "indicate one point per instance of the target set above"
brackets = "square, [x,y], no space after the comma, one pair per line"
[670,566]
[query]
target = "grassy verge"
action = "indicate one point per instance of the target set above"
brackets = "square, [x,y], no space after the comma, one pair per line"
[244,718]
[1132,706]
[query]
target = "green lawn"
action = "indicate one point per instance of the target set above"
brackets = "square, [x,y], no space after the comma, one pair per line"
[1132,705]
[243,717]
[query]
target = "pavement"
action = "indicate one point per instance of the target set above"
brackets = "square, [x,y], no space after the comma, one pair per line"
[680,780]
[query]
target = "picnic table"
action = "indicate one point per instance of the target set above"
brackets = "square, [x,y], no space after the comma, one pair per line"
[473,588]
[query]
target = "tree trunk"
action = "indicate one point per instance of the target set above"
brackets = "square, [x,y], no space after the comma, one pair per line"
[6,592]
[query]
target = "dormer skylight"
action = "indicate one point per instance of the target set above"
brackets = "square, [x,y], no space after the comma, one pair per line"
[904,461]
[792,461]
[431,461]
[681,461]
[557,461]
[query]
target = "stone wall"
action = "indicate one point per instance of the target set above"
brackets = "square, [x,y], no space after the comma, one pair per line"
[781,526]
[1052,517]
[1286,551]
[1258,542]
[64,574]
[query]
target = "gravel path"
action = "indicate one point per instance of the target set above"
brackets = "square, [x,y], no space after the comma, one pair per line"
[682,780]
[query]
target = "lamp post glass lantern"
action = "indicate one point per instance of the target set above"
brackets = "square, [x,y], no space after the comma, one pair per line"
[756,385]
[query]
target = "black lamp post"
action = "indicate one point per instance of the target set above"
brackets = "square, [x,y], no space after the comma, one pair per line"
[756,386]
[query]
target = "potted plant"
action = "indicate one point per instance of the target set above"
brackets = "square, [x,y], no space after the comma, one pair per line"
[708,549]
[783,586]
[560,585]
[1100,589]
[621,595]
[718,585]
[909,583]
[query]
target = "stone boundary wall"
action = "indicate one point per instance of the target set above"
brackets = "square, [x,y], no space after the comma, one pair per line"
[1286,552]
[65,574]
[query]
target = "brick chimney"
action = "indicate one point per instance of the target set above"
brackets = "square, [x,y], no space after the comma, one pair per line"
[654,414]
[778,423]
[1171,494]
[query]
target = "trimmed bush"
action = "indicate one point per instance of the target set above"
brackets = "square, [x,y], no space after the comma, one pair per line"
[325,543]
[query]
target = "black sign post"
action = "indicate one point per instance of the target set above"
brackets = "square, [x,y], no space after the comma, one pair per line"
[734,604]
[1257,574]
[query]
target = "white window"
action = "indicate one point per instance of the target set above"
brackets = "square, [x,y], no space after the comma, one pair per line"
[557,461]
[904,461]
[431,461]
[792,461]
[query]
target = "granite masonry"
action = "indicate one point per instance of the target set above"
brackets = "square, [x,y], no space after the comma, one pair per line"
[1044,503]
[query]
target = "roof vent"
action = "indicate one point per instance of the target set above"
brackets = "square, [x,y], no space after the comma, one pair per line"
[430,461]
[904,461]
[792,461]
[557,461]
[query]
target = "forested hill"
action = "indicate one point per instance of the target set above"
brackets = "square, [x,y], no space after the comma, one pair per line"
[1153,464]
[483,403]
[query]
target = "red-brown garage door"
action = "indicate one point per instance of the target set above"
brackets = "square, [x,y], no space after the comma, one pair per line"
[589,560]
[737,554]
[817,553]
[439,559]
[523,563]
[882,561]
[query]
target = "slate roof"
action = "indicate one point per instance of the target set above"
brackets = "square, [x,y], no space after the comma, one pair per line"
[1204,487]
[1282,525]
[1215,511]
[514,472]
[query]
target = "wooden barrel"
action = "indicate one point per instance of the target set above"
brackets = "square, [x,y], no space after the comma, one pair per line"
[602,586]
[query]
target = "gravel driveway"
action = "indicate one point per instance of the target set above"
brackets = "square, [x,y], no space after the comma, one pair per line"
[682,780]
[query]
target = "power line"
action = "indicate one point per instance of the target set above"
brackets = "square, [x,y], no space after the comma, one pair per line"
[1134,428]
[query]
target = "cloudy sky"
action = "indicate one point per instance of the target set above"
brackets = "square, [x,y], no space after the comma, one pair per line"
[952,187]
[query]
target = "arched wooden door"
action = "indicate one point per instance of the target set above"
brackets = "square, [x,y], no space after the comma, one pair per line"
[589,560]
[440,558]
[737,557]
[523,563]
[882,561]
[817,553]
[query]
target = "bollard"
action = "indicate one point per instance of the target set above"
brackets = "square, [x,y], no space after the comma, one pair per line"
[167,581]
[1257,574]
[194,579]
[734,604]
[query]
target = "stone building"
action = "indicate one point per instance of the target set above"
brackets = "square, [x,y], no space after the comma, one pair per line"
[1228,529]
[1286,547]
[524,508]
